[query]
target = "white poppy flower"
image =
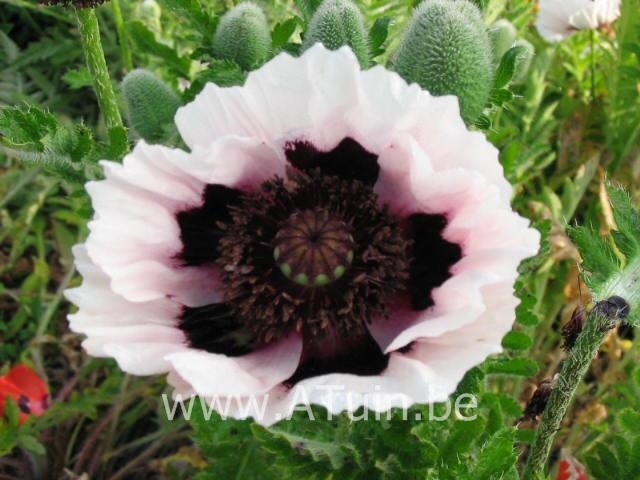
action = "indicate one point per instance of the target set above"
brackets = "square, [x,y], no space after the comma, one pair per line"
[331,228]
[557,19]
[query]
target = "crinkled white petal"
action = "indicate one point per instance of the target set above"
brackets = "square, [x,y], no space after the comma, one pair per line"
[254,373]
[557,19]
[429,163]
[138,335]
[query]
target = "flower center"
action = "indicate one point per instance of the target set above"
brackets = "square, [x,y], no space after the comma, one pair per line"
[313,248]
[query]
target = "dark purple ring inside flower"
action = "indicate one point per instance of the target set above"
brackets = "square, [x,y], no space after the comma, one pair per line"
[315,253]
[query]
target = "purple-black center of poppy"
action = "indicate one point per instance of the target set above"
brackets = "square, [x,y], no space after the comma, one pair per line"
[316,254]
[313,248]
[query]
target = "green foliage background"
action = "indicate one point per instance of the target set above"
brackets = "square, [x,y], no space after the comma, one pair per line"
[564,131]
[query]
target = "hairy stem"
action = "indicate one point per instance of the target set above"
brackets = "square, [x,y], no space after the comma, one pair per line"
[90,33]
[123,36]
[564,389]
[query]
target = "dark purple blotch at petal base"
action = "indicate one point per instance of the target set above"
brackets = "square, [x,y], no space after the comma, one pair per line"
[215,329]
[431,257]
[349,160]
[356,355]
[199,229]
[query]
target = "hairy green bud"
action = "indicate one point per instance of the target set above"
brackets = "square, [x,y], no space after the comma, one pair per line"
[523,60]
[502,34]
[243,36]
[446,50]
[151,106]
[337,23]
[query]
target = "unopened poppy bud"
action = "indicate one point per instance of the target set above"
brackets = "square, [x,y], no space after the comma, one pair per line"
[337,23]
[572,329]
[151,105]
[523,60]
[539,399]
[243,36]
[502,34]
[446,50]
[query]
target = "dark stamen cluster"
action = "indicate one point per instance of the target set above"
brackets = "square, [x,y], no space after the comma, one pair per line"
[332,222]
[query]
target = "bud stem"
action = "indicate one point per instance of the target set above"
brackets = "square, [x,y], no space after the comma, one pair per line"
[90,35]
[123,37]
[571,374]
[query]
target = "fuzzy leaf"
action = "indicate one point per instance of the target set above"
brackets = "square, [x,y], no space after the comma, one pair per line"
[612,264]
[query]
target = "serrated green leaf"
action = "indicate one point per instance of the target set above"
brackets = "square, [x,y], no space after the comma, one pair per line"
[629,420]
[611,265]
[26,126]
[497,457]
[78,78]
[459,442]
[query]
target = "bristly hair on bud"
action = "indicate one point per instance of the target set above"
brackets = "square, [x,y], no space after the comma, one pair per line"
[572,329]
[73,3]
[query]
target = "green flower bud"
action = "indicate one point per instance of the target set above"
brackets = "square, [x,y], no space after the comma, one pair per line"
[523,61]
[502,35]
[243,36]
[337,23]
[446,50]
[151,105]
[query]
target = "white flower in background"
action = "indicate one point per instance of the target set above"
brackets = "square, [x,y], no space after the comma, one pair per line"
[330,227]
[557,19]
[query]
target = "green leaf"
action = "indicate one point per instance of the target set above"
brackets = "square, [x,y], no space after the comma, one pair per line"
[146,41]
[307,8]
[629,420]
[611,264]
[378,35]
[516,341]
[512,366]
[507,66]
[78,78]
[25,126]
[31,444]
[223,73]
[282,32]
[497,456]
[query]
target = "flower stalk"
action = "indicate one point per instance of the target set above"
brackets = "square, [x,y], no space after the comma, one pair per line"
[94,54]
[599,322]
[123,36]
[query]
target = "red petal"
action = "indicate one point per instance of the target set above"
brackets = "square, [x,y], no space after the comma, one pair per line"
[28,382]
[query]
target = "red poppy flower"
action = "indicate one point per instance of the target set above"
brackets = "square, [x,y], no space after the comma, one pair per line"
[570,468]
[27,389]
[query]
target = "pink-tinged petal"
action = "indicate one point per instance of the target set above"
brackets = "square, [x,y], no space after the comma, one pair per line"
[254,373]
[99,305]
[264,110]
[399,162]
[557,19]
[236,162]
[141,358]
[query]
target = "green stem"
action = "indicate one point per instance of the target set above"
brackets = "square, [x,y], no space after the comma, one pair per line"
[564,389]
[123,36]
[90,34]
[593,66]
